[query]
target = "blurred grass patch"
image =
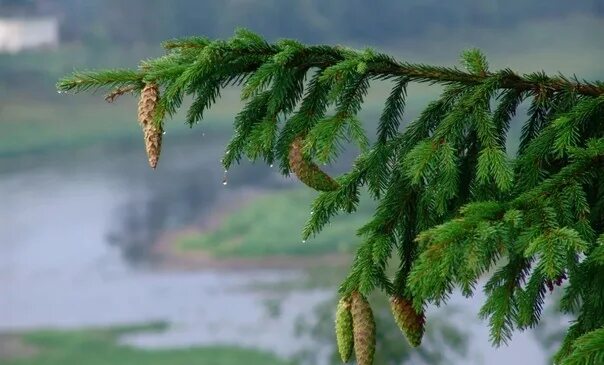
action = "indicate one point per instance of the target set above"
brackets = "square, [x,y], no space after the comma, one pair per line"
[78,121]
[101,347]
[271,225]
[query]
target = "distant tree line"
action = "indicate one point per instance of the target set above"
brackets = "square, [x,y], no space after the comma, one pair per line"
[377,21]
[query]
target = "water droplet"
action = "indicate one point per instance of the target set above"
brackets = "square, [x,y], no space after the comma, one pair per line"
[225,171]
[59,92]
[303,241]
[271,165]
[164,132]
[311,212]
[224,178]
[203,134]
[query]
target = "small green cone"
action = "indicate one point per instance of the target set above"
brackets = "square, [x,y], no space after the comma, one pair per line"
[307,171]
[363,328]
[344,335]
[408,320]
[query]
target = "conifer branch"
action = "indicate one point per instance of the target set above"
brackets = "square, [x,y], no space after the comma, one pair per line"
[452,203]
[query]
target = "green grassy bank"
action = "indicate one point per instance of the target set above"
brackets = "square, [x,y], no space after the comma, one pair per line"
[101,347]
[270,225]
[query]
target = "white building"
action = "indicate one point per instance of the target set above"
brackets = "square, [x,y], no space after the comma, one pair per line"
[17,34]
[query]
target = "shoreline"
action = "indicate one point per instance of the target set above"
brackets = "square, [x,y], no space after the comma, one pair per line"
[171,258]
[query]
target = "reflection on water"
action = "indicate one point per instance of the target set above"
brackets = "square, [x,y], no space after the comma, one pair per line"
[179,196]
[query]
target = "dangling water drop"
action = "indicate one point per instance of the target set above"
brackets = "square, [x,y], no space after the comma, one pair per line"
[303,241]
[271,165]
[312,212]
[203,134]
[164,132]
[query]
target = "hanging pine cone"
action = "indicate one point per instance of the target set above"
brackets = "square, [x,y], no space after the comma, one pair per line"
[344,335]
[363,328]
[147,107]
[307,171]
[408,320]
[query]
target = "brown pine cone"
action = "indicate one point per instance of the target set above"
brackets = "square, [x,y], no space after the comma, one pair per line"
[363,328]
[408,320]
[147,107]
[307,171]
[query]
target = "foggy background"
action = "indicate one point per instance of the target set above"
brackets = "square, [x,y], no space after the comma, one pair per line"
[104,261]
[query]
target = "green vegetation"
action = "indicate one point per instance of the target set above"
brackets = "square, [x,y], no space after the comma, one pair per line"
[30,69]
[101,347]
[452,204]
[270,224]
[35,118]
[29,103]
[60,123]
[43,126]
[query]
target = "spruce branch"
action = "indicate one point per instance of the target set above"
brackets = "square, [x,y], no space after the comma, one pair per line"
[91,80]
[377,65]
[452,203]
[587,349]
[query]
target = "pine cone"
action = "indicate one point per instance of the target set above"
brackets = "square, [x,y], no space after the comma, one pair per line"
[344,335]
[408,320]
[147,107]
[307,171]
[363,329]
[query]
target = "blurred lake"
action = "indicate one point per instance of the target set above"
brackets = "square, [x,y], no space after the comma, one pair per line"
[77,233]
[78,224]
[76,236]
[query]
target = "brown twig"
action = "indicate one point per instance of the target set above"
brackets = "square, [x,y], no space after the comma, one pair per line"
[110,98]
